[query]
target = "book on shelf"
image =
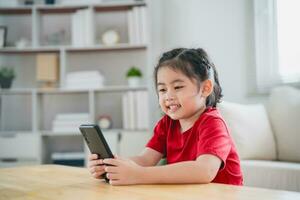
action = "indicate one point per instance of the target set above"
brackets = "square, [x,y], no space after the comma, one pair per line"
[69,122]
[132,109]
[84,84]
[82,27]
[72,116]
[130,26]
[66,124]
[84,74]
[125,110]
[143,24]
[142,118]
[84,80]
[137,25]
[135,111]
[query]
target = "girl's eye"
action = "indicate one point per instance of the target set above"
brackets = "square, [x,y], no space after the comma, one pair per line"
[162,90]
[178,87]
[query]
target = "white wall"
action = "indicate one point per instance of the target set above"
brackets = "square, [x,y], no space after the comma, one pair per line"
[224,29]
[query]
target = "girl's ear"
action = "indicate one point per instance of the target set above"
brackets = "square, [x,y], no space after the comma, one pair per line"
[207,87]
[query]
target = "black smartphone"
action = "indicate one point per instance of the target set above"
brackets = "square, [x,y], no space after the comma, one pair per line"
[96,142]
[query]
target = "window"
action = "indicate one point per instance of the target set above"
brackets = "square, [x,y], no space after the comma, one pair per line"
[277,42]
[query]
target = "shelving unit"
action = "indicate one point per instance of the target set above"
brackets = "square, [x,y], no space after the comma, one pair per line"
[40,106]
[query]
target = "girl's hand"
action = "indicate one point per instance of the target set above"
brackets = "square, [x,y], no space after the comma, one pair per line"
[96,166]
[123,171]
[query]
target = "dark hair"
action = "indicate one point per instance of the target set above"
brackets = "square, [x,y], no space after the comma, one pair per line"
[195,64]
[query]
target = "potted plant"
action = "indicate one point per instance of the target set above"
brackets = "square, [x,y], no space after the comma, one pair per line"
[134,76]
[7,75]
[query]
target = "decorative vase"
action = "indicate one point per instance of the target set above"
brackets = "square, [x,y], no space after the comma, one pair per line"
[6,83]
[134,81]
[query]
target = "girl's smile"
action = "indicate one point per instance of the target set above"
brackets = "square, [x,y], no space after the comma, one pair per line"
[173,107]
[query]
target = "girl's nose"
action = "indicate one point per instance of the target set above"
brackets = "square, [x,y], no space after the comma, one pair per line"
[169,96]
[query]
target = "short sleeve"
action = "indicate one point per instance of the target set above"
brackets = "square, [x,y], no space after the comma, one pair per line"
[158,140]
[214,139]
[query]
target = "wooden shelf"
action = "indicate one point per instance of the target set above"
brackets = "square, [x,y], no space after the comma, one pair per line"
[116,6]
[121,89]
[15,50]
[106,89]
[21,10]
[17,91]
[104,7]
[12,133]
[106,48]
[56,9]
[51,133]
[57,49]
[61,91]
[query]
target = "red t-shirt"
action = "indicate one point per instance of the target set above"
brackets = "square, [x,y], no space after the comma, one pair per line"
[209,135]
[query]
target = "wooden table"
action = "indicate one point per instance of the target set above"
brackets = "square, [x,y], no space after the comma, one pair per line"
[60,182]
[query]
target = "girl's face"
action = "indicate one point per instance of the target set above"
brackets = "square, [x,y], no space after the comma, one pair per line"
[179,97]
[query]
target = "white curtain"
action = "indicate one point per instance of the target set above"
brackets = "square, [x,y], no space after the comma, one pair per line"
[266,56]
[276,44]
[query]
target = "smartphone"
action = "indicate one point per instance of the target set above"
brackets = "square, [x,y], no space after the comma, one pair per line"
[96,142]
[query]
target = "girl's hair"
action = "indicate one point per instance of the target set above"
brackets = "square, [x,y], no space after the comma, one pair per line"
[195,64]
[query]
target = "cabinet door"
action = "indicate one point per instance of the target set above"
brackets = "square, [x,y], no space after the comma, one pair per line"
[20,146]
[133,142]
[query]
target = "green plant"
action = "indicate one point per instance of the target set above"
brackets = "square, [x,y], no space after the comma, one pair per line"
[134,72]
[6,72]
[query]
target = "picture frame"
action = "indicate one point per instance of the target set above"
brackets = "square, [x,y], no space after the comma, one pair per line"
[3,32]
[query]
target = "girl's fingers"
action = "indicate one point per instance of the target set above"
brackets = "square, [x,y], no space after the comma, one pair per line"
[111,169]
[93,156]
[95,162]
[115,182]
[111,161]
[116,156]
[112,176]
[119,158]
[98,174]
[97,169]
[92,163]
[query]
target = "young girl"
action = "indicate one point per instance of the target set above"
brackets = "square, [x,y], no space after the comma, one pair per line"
[192,135]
